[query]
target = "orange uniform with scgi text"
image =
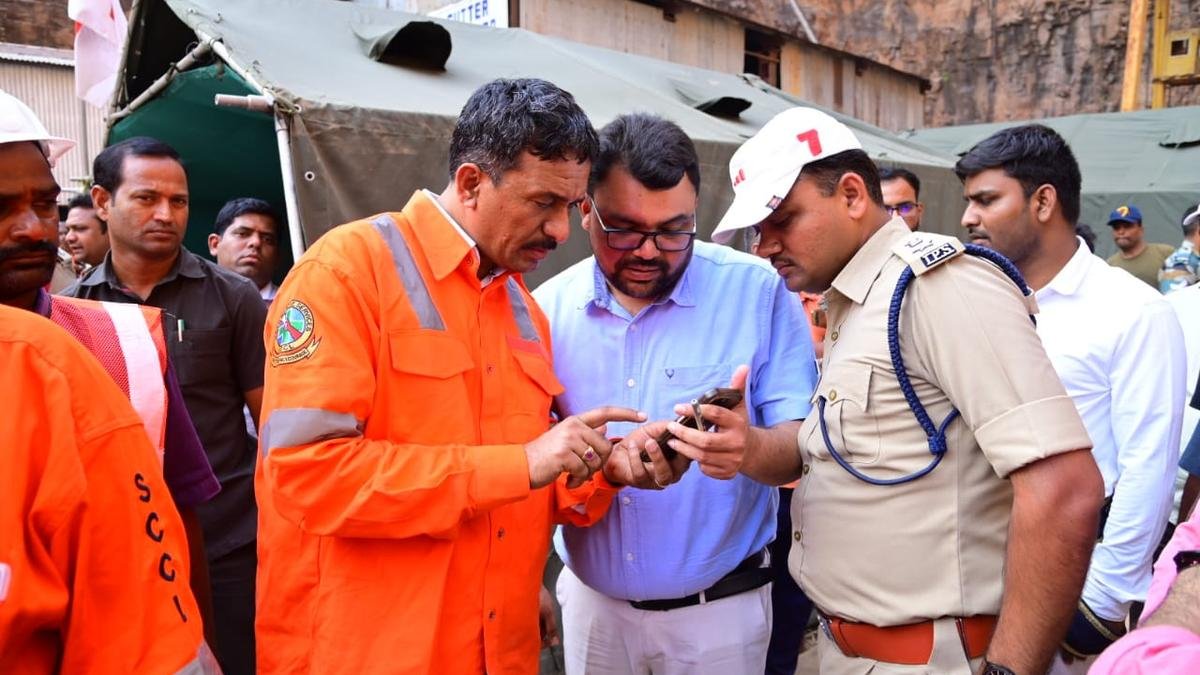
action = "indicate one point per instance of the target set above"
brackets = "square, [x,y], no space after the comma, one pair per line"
[93,555]
[397,529]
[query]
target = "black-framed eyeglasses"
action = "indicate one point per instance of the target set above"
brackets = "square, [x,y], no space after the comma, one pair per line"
[667,241]
[903,208]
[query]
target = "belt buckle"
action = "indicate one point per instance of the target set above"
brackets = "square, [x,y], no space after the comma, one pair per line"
[824,623]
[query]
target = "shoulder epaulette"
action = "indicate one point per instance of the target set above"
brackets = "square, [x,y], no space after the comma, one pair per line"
[924,251]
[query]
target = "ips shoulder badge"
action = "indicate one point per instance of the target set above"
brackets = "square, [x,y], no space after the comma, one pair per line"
[924,251]
[294,336]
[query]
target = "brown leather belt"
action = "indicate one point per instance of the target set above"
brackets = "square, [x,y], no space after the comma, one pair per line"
[910,644]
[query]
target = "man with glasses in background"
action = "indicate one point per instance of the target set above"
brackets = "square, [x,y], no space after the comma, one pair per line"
[901,195]
[673,581]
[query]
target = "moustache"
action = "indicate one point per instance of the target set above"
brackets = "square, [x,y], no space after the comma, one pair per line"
[638,263]
[547,243]
[25,249]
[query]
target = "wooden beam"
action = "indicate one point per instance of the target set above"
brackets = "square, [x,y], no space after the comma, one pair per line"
[1135,51]
[1158,88]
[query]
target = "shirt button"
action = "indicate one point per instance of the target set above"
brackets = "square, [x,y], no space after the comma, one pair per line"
[492,615]
[490,369]
[630,382]
[833,336]
[833,394]
[500,533]
[626,500]
[629,557]
[796,535]
[804,470]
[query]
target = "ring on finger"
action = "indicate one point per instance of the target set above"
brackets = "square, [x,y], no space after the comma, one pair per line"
[589,455]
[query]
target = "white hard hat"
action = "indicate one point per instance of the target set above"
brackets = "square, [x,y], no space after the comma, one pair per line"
[765,167]
[18,123]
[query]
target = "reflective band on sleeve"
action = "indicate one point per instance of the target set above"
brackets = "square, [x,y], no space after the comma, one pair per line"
[205,663]
[289,427]
[147,392]
[521,312]
[410,275]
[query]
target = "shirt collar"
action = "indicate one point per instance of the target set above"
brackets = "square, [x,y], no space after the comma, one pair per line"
[445,247]
[1071,276]
[602,295]
[186,264]
[857,277]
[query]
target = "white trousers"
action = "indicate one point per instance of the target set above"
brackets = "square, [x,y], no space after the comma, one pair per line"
[607,636]
[1076,667]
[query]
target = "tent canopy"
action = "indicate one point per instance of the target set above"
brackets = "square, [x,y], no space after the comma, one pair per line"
[364,134]
[1150,158]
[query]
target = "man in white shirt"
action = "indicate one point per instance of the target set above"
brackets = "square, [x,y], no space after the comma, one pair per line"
[1117,347]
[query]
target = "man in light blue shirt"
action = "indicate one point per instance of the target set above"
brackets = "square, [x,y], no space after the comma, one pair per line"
[674,581]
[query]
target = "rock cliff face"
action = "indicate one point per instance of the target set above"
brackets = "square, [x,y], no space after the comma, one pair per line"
[988,60]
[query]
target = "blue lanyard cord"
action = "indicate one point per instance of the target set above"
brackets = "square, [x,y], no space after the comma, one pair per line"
[935,434]
[937,454]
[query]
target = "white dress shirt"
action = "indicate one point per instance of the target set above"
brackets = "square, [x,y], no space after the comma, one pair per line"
[1119,350]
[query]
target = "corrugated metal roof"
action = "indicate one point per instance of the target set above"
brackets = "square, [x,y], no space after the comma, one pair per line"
[34,54]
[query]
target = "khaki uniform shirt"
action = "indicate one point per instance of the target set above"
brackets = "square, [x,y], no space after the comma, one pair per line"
[933,547]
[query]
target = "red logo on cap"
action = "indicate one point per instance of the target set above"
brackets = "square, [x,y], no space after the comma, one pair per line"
[813,140]
[741,176]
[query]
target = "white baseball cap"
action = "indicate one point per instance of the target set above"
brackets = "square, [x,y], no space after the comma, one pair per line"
[18,123]
[1191,218]
[764,169]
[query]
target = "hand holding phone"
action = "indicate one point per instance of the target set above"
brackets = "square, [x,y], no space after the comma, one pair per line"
[719,396]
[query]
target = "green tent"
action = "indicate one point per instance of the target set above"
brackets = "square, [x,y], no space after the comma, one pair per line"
[355,135]
[1150,158]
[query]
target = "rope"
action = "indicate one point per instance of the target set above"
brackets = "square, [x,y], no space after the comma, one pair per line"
[936,435]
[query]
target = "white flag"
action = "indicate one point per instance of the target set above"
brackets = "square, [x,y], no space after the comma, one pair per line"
[100,28]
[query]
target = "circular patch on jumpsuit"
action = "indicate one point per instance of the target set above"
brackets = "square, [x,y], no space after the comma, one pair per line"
[294,336]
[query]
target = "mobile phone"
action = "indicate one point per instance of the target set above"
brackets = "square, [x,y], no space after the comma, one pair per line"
[720,396]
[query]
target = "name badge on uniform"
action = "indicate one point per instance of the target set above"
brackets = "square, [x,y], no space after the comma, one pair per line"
[923,251]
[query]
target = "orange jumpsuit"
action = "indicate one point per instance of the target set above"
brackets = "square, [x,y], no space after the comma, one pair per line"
[93,556]
[397,529]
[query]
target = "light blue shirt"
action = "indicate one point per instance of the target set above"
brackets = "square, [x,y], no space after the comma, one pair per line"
[728,309]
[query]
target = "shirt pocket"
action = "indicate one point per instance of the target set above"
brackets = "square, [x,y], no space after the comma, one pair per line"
[683,384]
[432,364]
[849,423]
[527,404]
[202,356]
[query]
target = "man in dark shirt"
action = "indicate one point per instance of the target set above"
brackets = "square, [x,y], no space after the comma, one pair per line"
[215,332]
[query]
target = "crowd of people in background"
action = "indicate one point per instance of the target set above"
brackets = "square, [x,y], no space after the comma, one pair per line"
[363,465]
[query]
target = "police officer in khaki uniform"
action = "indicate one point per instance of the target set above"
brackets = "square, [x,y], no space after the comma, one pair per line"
[946,529]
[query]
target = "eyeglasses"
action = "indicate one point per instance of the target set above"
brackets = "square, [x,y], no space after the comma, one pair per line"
[903,208]
[666,241]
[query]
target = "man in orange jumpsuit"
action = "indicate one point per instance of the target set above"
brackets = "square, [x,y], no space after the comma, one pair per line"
[93,557]
[407,483]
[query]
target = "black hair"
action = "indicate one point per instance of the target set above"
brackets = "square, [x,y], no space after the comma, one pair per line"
[1034,155]
[241,206]
[1087,234]
[84,201]
[825,173]
[654,150]
[107,167]
[505,118]
[1189,230]
[899,172]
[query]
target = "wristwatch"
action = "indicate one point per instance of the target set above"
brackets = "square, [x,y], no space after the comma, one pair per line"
[1186,559]
[990,668]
